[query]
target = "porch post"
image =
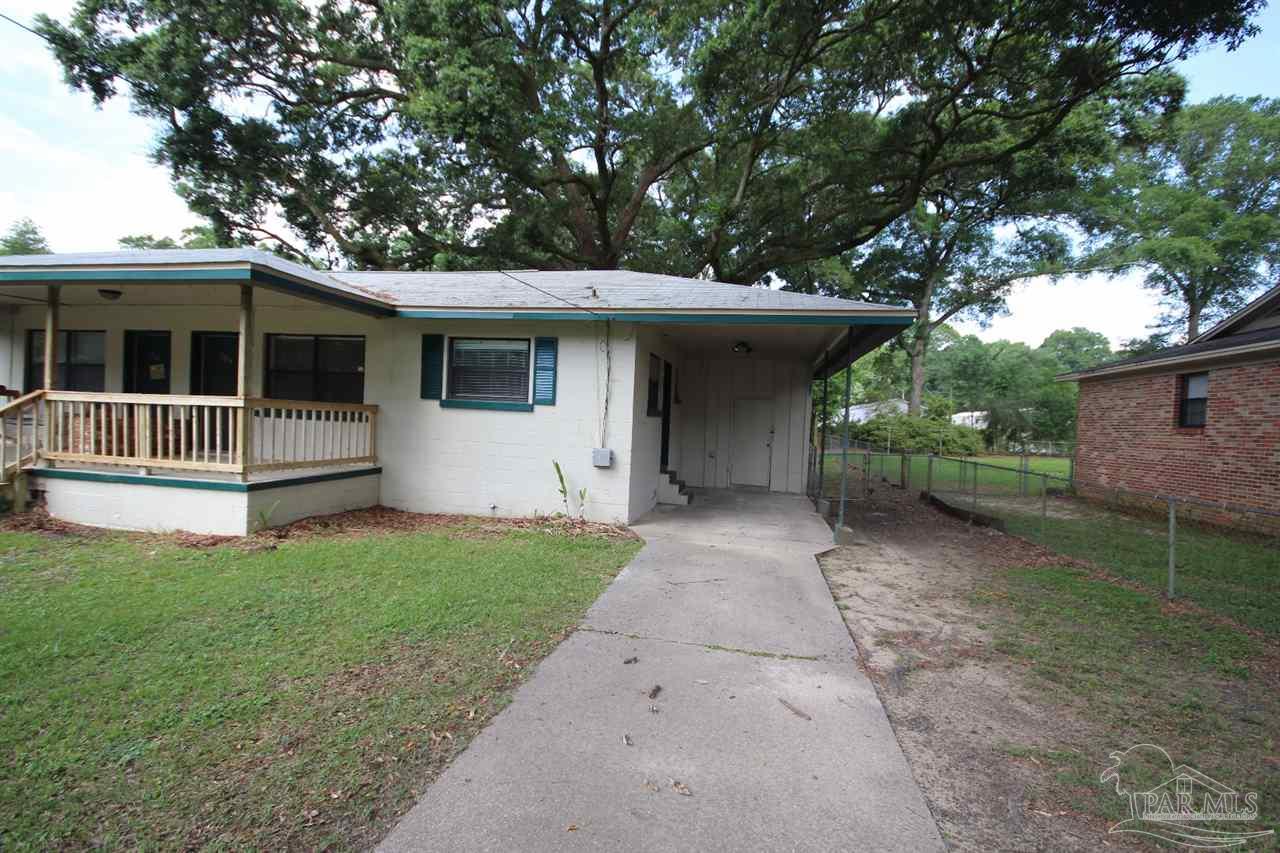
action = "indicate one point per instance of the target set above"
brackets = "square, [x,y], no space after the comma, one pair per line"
[822,443]
[245,377]
[51,336]
[844,452]
[244,381]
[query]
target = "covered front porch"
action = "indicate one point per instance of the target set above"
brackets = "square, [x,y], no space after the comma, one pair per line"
[142,380]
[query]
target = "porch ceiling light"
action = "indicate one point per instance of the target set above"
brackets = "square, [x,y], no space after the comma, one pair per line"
[742,348]
[109,294]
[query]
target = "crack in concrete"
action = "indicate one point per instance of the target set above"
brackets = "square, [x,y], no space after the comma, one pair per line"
[715,647]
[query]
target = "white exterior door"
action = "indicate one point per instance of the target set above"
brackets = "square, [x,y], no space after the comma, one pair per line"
[752,442]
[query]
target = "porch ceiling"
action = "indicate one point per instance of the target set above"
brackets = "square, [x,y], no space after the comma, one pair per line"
[141,295]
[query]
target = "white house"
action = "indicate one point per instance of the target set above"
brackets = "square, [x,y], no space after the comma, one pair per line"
[216,391]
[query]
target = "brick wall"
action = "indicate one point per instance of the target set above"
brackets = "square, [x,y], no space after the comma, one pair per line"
[1128,436]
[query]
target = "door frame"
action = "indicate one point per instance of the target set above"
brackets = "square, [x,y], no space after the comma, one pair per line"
[664,453]
[733,442]
[128,382]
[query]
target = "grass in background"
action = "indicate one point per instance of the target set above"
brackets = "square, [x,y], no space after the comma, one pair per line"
[159,696]
[950,474]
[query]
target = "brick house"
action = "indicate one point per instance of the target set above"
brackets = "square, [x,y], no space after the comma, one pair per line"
[1200,420]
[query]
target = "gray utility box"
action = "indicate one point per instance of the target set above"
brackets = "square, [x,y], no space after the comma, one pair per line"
[602,457]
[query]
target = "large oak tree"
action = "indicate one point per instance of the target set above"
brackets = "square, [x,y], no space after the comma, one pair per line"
[699,137]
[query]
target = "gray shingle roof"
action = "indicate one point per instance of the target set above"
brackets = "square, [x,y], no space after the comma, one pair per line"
[1184,351]
[611,290]
[605,290]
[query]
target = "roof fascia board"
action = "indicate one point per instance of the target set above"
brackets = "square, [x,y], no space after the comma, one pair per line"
[243,274]
[1174,361]
[685,318]
[1254,307]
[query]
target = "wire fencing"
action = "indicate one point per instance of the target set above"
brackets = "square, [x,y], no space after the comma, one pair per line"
[1220,555]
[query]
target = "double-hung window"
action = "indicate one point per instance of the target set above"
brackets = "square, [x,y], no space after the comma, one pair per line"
[494,370]
[1193,399]
[324,368]
[81,363]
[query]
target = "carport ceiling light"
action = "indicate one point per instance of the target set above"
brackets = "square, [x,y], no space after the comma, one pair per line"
[742,348]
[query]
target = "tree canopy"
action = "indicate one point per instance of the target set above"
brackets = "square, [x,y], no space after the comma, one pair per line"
[195,237]
[24,238]
[694,138]
[1196,210]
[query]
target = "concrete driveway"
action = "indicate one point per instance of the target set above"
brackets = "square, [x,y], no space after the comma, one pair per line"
[766,735]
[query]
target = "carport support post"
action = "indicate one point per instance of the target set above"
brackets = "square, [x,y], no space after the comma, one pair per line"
[822,440]
[844,449]
[1173,541]
[928,477]
[1044,504]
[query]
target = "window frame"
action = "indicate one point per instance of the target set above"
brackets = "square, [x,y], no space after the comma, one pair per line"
[447,398]
[34,381]
[315,372]
[1186,419]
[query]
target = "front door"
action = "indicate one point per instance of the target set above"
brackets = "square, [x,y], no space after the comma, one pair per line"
[752,442]
[665,457]
[215,362]
[146,362]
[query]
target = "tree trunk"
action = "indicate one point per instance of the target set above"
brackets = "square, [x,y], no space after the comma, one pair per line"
[1193,319]
[919,345]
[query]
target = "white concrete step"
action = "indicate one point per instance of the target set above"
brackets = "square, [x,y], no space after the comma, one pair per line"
[672,491]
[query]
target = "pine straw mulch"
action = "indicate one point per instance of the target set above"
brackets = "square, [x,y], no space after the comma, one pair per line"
[373,521]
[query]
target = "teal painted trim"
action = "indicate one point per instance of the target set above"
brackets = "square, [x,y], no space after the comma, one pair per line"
[317,294]
[491,405]
[432,378]
[673,319]
[161,481]
[126,276]
[545,353]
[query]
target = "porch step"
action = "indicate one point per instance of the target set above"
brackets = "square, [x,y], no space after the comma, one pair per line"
[672,490]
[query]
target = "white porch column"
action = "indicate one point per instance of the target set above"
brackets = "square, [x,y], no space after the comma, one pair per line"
[244,381]
[51,336]
[245,384]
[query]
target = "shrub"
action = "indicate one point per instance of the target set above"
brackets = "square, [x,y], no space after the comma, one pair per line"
[918,435]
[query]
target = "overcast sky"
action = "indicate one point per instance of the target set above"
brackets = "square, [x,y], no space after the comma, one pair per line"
[84,176]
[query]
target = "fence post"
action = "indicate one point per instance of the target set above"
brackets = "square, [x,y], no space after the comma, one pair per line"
[974,509]
[1173,542]
[1044,504]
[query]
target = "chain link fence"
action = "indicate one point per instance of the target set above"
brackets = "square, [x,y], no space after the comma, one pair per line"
[1223,556]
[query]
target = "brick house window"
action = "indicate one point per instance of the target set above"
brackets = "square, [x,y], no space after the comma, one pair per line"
[1193,399]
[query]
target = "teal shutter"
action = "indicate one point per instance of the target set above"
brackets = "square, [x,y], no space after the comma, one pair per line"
[432,367]
[544,371]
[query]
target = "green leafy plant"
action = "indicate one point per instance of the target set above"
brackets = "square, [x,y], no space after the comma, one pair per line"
[263,519]
[564,489]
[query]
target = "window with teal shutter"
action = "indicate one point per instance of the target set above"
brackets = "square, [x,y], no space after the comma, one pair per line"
[544,371]
[432,367]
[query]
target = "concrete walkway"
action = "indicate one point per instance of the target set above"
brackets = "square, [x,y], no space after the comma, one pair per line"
[763,716]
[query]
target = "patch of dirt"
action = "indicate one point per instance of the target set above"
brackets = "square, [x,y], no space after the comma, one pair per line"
[906,583]
[373,521]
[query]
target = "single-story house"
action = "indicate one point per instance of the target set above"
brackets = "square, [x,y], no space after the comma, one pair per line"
[1200,420]
[221,390]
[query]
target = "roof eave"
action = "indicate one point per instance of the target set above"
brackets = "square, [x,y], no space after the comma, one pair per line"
[1175,360]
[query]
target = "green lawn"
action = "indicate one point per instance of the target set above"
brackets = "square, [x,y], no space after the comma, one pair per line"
[1234,574]
[949,474]
[159,696]
[1139,672]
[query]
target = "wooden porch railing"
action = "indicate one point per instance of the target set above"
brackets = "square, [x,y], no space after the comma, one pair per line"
[229,434]
[21,421]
